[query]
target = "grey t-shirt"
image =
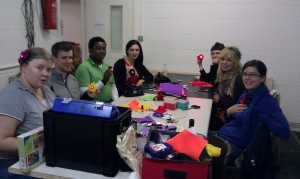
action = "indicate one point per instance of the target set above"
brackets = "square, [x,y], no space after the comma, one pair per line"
[18,102]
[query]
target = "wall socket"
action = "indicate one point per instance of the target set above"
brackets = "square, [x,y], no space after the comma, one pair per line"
[140,38]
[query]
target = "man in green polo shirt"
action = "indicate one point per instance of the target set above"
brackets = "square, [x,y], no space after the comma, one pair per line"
[94,70]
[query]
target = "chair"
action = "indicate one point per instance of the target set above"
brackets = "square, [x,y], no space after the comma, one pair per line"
[218,163]
[275,139]
[257,160]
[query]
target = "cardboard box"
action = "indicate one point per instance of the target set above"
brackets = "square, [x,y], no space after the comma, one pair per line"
[31,149]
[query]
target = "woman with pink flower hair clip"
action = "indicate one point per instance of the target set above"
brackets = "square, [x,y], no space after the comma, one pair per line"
[22,103]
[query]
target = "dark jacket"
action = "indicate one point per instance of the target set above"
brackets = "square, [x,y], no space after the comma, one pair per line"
[258,156]
[211,76]
[225,102]
[120,74]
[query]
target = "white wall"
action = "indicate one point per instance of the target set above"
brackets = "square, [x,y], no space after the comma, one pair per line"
[176,31]
[13,35]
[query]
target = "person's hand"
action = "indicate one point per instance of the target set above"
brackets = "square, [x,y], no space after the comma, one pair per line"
[215,61]
[216,97]
[199,62]
[236,108]
[107,75]
[93,95]
[140,82]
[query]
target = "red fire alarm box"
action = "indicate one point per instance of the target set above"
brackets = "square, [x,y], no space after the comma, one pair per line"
[49,12]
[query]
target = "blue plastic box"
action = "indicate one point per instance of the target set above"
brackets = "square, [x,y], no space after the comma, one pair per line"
[86,108]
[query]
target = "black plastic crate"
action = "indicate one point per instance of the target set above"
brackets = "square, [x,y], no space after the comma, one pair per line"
[84,143]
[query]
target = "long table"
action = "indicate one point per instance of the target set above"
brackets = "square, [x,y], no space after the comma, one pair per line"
[181,117]
[184,79]
[201,117]
[44,171]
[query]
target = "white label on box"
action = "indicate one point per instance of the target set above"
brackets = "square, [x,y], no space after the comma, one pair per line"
[22,163]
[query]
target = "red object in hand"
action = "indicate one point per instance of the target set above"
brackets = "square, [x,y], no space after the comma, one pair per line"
[200,57]
[243,100]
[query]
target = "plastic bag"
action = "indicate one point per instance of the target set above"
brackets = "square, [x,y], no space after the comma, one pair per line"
[129,151]
[132,90]
[160,78]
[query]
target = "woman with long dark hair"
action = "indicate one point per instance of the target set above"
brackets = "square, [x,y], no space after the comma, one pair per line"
[130,70]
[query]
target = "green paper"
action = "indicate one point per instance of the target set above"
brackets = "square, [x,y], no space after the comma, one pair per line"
[148,97]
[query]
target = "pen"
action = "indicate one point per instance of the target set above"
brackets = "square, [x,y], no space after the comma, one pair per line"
[203,90]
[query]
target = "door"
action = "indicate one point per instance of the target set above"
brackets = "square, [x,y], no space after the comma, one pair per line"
[111,20]
[70,21]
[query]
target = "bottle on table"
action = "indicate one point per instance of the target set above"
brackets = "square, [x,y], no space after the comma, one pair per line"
[191,123]
[154,133]
[165,70]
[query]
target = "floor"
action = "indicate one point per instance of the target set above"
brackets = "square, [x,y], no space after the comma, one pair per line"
[289,157]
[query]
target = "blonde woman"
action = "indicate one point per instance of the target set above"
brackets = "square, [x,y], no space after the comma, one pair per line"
[228,86]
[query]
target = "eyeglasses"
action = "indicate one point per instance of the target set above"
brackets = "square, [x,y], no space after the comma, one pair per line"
[251,75]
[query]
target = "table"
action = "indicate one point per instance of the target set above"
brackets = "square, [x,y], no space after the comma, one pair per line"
[201,117]
[44,171]
[184,79]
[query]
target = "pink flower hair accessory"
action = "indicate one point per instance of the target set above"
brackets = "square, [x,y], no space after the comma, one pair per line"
[23,56]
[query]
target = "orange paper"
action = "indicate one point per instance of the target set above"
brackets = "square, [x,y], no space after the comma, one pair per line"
[188,143]
[134,105]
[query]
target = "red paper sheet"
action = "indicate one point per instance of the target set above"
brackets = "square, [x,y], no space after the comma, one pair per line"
[198,83]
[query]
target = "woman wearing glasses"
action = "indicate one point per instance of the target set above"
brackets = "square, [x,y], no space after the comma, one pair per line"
[228,86]
[254,106]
